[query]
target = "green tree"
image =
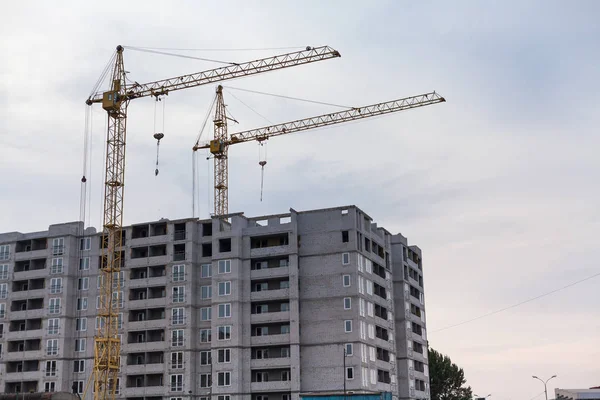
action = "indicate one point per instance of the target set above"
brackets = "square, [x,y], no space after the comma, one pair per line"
[446,379]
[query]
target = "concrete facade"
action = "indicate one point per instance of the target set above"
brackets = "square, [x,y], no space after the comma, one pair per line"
[264,308]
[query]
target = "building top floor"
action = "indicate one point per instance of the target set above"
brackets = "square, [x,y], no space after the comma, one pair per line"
[355,225]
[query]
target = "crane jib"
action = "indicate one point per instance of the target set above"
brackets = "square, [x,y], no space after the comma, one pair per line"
[235,70]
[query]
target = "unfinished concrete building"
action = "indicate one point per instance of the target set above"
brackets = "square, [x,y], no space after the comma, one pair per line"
[245,308]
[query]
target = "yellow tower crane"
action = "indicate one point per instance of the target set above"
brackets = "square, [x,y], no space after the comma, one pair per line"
[220,143]
[115,101]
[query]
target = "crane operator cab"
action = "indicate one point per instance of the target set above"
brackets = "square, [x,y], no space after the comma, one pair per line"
[111,100]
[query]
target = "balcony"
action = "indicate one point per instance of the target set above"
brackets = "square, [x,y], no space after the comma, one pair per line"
[279,386]
[279,316]
[36,313]
[26,255]
[271,251]
[29,334]
[145,282]
[270,294]
[37,264]
[145,255]
[143,368]
[270,362]
[150,303]
[148,391]
[267,273]
[283,338]
[28,355]
[23,376]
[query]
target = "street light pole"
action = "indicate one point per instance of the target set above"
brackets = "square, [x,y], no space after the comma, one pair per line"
[545,383]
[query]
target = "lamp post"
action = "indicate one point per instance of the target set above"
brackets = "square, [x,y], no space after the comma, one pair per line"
[545,383]
[485,397]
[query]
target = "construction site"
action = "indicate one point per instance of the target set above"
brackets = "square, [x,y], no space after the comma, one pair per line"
[243,200]
[276,307]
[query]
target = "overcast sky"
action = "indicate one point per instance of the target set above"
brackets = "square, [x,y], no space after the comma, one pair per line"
[498,186]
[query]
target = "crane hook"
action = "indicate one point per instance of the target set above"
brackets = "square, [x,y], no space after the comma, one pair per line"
[157,136]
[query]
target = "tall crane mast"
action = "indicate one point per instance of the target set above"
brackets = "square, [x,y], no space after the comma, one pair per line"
[220,144]
[107,345]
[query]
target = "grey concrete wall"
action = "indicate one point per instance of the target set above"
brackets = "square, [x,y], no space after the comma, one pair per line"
[315,294]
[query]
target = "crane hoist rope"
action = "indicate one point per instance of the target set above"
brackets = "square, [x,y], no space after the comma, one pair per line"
[159,135]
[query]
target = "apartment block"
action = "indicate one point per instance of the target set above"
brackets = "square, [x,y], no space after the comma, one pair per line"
[260,308]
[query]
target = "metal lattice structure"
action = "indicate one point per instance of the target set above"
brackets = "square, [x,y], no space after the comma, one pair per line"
[221,162]
[115,101]
[107,346]
[219,146]
[235,70]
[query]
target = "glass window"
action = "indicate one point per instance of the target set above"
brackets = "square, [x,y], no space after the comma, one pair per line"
[79,345]
[177,383]
[205,380]
[82,304]
[178,316]
[81,324]
[206,270]
[205,357]
[224,288]
[205,336]
[347,303]
[177,360]
[205,313]
[58,246]
[178,273]
[346,280]
[54,306]
[205,292]
[177,337]
[53,326]
[224,332]
[84,263]
[56,285]
[349,349]
[345,258]
[52,347]
[79,366]
[224,355]
[85,244]
[83,283]
[3,271]
[224,310]
[56,267]
[224,266]
[224,379]
[349,373]
[4,252]
[348,326]
[178,294]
